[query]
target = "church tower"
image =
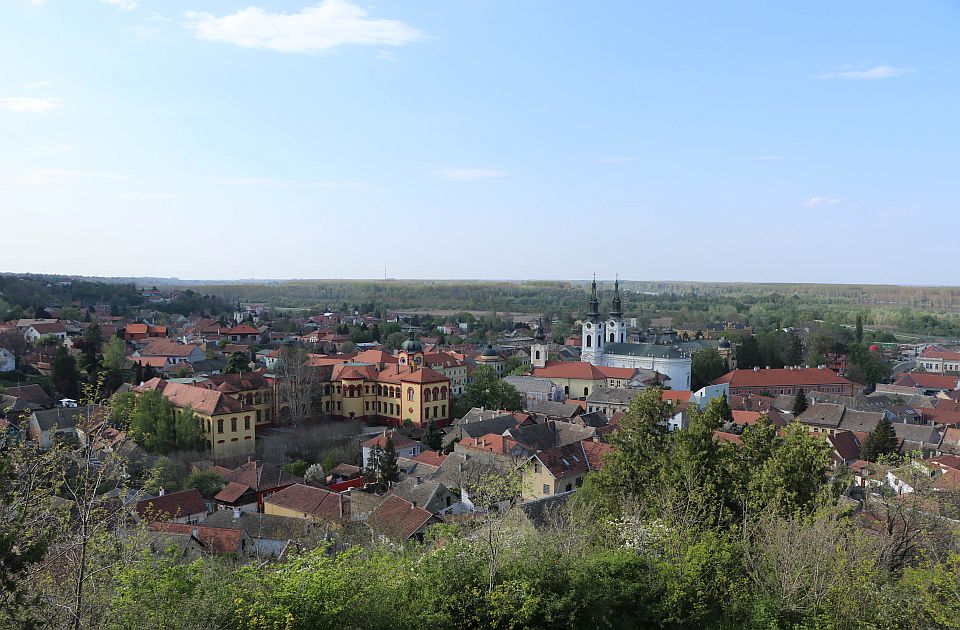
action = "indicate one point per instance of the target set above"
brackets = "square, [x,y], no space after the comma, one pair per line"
[616,327]
[591,348]
[540,350]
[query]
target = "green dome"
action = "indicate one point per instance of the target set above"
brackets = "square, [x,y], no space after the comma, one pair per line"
[412,344]
[489,352]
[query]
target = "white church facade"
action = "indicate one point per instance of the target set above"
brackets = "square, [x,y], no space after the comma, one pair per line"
[604,343]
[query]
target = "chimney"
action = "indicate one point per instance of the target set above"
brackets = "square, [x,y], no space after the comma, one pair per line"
[419,480]
[413,504]
[236,514]
[195,532]
[162,491]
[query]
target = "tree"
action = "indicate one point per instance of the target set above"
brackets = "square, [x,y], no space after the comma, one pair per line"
[65,374]
[432,436]
[859,329]
[296,385]
[315,475]
[799,402]
[207,482]
[238,362]
[748,354]
[152,423]
[795,353]
[162,476]
[15,343]
[706,367]
[489,392]
[882,440]
[115,354]
[389,471]
[189,433]
[514,366]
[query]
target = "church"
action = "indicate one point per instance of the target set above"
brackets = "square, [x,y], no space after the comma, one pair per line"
[605,343]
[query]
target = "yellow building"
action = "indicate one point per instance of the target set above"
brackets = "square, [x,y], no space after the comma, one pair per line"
[560,469]
[579,379]
[400,391]
[228,425]
[308,503]
[250,388]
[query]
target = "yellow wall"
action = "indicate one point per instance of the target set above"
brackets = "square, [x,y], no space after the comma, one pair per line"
[399,408]
[534,480]
[230,442]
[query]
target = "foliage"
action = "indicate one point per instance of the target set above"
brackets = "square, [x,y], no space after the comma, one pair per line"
[238,362]
[432,436]
[207,482]
[65,375]
[799,402]
[388,472]
[297,467]
[882,440]
[489,392]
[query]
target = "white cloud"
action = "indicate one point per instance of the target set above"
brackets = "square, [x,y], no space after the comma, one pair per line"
[813,202]
[123,5]
[327,25]
[29,103]
[877,72]
[470,174]
[35,84]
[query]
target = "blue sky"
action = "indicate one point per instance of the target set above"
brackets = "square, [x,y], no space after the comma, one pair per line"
[734,141]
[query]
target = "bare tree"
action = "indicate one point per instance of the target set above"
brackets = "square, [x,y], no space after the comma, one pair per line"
[297,384]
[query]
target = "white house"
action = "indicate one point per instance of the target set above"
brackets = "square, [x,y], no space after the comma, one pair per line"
[404,446]
[45,329]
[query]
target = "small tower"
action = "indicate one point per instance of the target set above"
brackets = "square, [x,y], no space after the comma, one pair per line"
[540,350]
[411,353]
[616,327]
[593,336]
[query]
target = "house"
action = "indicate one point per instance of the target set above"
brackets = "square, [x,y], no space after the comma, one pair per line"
[404,446]
[46,426]
[227,424]
[141,331]
[939,361]
[8,362]
[399,520]
[561,469]
[477,422]
[186,506]
[611,401]
[535,389]
[173,351]
[37,330]
[251,389]
[577,378]
[270,535]
[830,418]
[247,486]
[550,434]
[432,496]
[241,333]
[309,503]
[199,539]
[31,396]
[929,384]
[784,381]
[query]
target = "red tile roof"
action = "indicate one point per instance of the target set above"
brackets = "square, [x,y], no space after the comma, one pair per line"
[172,505]
[202,400]
[257,476]
[746,418]
[573,459]
[723,436]
[491,442]
[212,539]
[399,440]
[160,347]
[398,519]
[231,492]
[947,355]
[581,370]
[316,502]
[925,380]
[431,458]
[784,376]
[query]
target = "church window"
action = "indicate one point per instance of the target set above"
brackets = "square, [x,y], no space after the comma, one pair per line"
[586,391]
[613,337]
[409,393]
[589,344]
[538,355]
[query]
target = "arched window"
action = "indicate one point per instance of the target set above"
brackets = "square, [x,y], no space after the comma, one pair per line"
[436,393]
[409,393]
[586,391]
[426,395]
[350,392]
[426,413]
[396,392]
[589,341]
[613,337]
[443,393]
[220,426]
[538,355]
[621,337]
[233,425]
[326,389]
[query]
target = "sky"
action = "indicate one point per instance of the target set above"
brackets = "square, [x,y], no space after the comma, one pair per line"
[713,141]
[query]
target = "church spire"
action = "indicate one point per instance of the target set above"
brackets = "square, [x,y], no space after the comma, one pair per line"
[594,302]
[617,310]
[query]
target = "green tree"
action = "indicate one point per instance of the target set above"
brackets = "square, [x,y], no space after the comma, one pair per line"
[207,482]
[489,392]
[707,366]
[514,366]
[122,408]
[859,329]
[238,362]
[115,354]
[793,476]
[65,374]
[162,475]
[388,471]
[748,354]
[432,436]
[795,352]
[189,433]
[882,440]
[152,423]
[799,402]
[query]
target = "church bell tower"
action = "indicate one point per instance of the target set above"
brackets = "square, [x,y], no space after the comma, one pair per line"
[593,335]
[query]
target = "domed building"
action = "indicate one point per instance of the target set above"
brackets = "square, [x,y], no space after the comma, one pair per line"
[489,356]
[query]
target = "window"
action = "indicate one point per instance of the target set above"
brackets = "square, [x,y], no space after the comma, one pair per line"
[546,489]
[426,413]
[220,426]
[586,391]
[409,393]
[233,425]
[443,392]
[569,487]
[366,405]
[613,337]
[538,355]
[589,344]
[443,411]
[246,423]
[426,395]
